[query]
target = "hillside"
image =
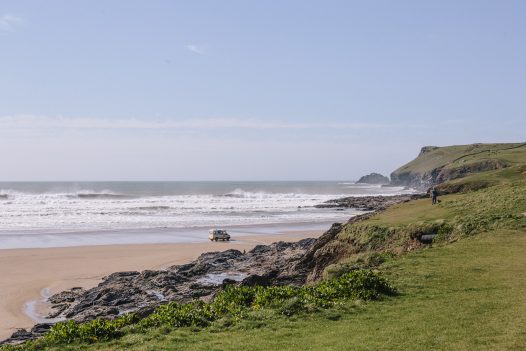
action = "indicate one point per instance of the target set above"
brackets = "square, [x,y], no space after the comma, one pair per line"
[438,164]
[481,202]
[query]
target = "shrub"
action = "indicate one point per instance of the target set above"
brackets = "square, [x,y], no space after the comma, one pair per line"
[92,331]
[234,299]
[274,295]
[173,314]
[359,284]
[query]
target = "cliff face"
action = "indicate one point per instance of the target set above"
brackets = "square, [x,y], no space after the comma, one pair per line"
[435,165]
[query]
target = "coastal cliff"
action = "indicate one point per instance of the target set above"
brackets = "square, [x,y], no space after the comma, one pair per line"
[436,165]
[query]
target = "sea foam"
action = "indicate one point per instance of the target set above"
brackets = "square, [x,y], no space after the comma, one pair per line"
[29,210]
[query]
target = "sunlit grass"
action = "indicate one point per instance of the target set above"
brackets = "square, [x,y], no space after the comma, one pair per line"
[464,296]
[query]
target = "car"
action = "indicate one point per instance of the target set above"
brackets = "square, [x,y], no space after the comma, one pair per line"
[218,234]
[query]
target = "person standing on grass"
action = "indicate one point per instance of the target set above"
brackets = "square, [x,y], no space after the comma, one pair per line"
[434,195]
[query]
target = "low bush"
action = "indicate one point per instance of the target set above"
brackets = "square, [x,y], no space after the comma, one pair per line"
[173,314]
[92,331]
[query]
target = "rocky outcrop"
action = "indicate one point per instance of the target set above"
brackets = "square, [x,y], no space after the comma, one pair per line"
[446,174]
[22,335]
[123,292]
[368,203]
[374,178]
[414,180]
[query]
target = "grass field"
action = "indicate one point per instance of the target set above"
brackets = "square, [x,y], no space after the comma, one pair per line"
[465,296]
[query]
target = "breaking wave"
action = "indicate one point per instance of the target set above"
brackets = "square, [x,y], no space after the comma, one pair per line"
[59,207]
[101,195]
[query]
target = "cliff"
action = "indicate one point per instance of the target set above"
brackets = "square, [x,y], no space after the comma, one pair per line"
[435,164]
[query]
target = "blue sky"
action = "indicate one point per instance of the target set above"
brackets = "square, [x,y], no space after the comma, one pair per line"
[183,90]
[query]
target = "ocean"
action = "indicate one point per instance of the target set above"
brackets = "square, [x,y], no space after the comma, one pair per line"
[56,214]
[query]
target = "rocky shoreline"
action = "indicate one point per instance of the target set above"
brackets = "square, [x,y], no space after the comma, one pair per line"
[281,263]
[369,203]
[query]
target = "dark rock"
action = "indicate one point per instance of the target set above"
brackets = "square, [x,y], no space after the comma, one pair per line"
[95,312]
[21,334]
[259,249]
[374,178]
[66,296]
[227,282]
[144,312]
[18,337]
[58,309]
[121,275]
[41,328]
[256,280]
[369,203]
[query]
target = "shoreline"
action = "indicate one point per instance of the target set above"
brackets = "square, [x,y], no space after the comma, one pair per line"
[27,272]
[164,236]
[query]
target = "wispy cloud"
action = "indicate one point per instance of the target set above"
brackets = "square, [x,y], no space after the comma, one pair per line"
[32,122]
[196,49]
[9,22]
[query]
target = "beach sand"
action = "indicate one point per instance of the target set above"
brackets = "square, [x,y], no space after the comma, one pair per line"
[25,273]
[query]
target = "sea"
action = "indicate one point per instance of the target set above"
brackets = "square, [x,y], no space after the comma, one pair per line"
[59,214]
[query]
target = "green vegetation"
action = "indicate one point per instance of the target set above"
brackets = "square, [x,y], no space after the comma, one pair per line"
[230,306]
[483,180]
[459,155]
[400,228]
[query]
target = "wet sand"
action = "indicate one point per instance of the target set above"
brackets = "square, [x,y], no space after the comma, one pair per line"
[25,273]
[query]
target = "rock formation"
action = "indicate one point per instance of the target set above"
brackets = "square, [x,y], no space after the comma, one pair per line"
[374,178]
[368,203]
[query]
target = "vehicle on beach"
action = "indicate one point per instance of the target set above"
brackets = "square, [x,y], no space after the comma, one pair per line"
[218,234]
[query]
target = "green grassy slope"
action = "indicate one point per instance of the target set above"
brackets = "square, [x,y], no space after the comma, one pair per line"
[438,164]
[461,154]
[465,296]
[498,204]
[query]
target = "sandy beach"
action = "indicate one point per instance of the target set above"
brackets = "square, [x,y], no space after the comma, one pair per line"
[25,273]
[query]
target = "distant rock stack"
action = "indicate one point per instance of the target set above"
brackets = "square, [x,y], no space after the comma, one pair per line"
[374,178]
